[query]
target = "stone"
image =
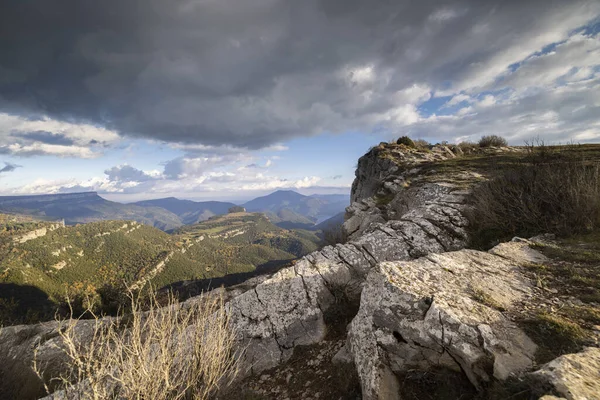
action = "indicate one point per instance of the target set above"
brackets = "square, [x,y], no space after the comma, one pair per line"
[422,314]
[573,376]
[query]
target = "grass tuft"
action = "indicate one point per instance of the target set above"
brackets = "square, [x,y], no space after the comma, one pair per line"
[173,352]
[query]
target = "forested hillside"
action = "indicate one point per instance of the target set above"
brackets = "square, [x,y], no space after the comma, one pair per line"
[96,263]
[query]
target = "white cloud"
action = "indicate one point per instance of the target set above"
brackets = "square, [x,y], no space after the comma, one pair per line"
[36,149]
[555,114]
[511,49]
[457,99]
[209,80]
[45,136]
[574,60]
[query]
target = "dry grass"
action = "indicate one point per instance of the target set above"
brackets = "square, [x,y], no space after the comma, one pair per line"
[560,196]
[468,147]
[172,352]
[422,144]
[492,140]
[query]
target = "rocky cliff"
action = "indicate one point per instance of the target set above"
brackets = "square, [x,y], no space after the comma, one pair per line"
[415,298]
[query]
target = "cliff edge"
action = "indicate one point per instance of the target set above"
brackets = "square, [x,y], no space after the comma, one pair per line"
[401,295]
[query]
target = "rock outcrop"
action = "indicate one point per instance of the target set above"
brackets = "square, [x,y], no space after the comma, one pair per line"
[425,302]
[34,234]
[572,376]
[390,182]
[287,309]
[442,310]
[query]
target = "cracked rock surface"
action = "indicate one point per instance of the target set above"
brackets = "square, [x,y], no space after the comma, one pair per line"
[442,310]
[287,309]
[573,376]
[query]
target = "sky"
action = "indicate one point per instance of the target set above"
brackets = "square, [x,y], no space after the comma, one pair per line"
[230,99]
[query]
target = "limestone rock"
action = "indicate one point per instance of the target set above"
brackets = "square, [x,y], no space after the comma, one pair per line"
[424,313]
[573,376]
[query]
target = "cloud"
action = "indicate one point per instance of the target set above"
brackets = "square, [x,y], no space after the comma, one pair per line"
[40,149]
[572,60]
[9,167]
[254,74]
[127,173]
[568,112]
[46,136]
[192,166]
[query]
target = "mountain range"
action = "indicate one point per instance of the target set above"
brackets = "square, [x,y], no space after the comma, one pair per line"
[284,208]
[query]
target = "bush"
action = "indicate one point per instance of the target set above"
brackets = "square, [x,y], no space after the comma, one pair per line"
[422,144]
[528,199]
[468,146]
[492,140]
[405,140]
[171,352]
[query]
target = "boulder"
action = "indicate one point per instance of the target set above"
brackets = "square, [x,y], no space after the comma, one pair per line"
[572,376]
[441,310]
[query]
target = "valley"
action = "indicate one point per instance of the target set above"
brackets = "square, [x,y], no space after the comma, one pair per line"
[97,262]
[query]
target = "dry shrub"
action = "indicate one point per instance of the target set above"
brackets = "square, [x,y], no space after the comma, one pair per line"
[422,144]
[468,147]
[532,198]
[180,351]
[492,140]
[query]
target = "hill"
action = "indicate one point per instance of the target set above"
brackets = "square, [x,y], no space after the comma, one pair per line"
[294,208]
[41,261]
[188,211]
[234,243]
[86,207]
[284,208]
[334,222]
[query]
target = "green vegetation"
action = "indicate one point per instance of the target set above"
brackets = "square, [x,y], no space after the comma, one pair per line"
[95,263]
[555,336]
[383,199]
[484,298]
[572,275]
[334,235]
[492,140]
[405,140]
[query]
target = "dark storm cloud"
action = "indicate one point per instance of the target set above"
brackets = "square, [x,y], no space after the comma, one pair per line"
[9,167]
[253,73]
[46,137]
